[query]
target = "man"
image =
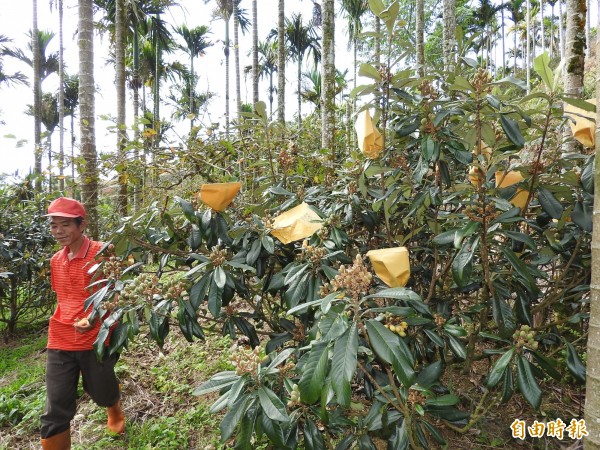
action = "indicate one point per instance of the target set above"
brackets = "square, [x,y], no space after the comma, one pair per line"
[71,335]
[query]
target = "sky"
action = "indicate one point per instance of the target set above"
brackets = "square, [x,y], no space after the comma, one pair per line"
[16,128]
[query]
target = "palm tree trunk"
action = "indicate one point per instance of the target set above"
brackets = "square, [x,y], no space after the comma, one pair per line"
[73,154]
[271,90]
[574,47]
[574,54]
[236,57]
[503,44]
[328,78]
[552,31]
[377,41]
[37,99]
[449,30]
[120,84]
[355,67]
[561,30]
[533,42]
[191,93]
[227,78]
[299,90]
[61,101]
[588,36]
[420,37]
[281,62]
[254,53]
[592,402]
[138,189]
[527,44]
[89,184]
[156,90]
[542,26]
[515,53]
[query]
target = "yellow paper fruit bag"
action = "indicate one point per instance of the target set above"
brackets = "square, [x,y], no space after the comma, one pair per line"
[582,123]
[506,179]
[391,265]
[297,223]
[219,195]
[370,140]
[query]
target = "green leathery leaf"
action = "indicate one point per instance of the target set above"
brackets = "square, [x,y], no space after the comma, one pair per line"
[519,266]
[445,238]
[246,431]
[219,277]
[435,433]
[295,272]
[377,6]
[527,383]
[541,65]
[119,337]
[272,406]
[497,370]
[215,297]
[216,383]
[389,16]
[398,293]
[587,176]
[435,338]
[520,237]
[268,244]
[574,364]
[233,417]
[399,440]
[389,347]
[508,385]
[313,438]
[367,70]
[457,347]
[188,209]
[548,365]
[430,374]
[581,104]
[503,316]
[313,373]
[254,252]
[235,391]
[462,233]
[443,400]
[461,84]
[344,362]
[582,215]
[512,131]
[462,264]
[549,203]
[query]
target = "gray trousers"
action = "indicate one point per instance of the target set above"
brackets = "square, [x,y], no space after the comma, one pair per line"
[62,376]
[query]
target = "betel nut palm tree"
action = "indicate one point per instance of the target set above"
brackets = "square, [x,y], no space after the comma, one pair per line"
[195,45]
[301,40]
[89,175]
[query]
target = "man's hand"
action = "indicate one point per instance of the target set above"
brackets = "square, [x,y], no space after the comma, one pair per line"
[83,325]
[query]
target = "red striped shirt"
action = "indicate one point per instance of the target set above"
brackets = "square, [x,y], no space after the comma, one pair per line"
[69,281]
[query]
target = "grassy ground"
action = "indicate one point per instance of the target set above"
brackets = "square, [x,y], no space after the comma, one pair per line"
[163,414]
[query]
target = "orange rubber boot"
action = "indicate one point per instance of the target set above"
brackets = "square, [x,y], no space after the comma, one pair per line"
[60,441]
[116,419]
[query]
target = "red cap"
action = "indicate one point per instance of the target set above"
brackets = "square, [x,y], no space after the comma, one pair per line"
[66,207]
